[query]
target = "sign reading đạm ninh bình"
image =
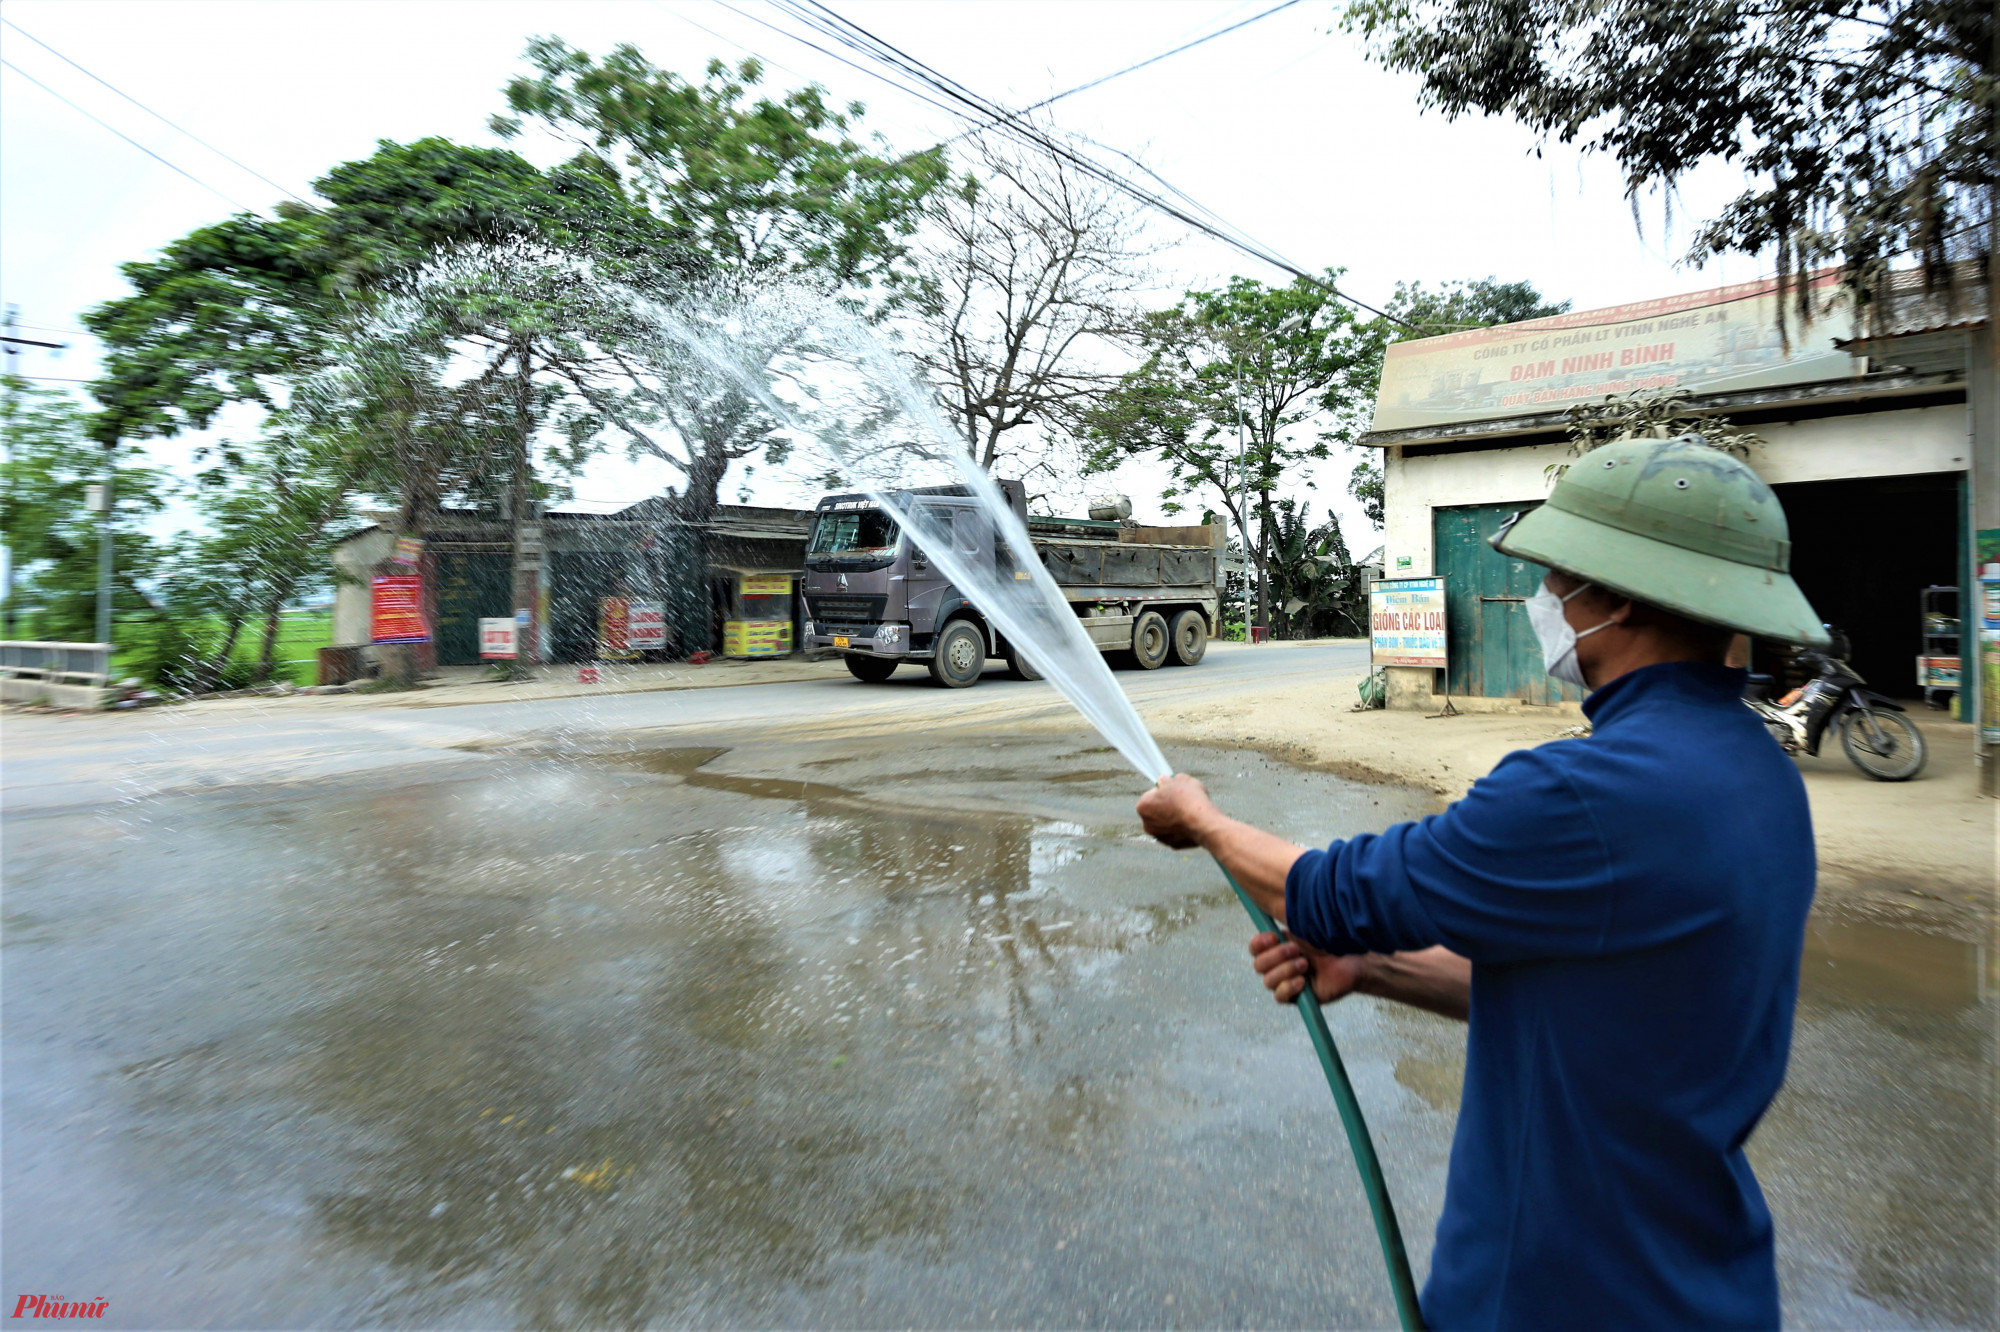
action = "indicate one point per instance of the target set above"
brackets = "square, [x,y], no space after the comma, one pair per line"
[1714,341]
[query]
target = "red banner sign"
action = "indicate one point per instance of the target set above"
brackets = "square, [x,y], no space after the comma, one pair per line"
[398,610]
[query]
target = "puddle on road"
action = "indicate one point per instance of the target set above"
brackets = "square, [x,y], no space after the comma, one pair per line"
[1859,963]
[656,1036]
[1879,1155]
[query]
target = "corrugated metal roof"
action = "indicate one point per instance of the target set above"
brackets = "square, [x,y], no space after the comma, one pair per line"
[748,521]
[1936,350]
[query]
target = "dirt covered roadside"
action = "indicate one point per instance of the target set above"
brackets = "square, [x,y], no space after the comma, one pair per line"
[458,686]
[1919,854]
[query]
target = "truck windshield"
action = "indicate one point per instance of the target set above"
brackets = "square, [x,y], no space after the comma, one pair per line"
[854,532]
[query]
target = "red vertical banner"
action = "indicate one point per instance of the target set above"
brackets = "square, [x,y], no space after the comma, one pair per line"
[614,628]
[397,609]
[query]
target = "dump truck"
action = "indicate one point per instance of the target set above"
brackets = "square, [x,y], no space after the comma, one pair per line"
[1148,596]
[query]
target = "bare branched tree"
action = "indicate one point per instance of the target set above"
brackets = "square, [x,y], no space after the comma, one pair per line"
[1028,284]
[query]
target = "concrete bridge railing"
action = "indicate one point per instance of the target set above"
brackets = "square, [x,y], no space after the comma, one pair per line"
[68,675]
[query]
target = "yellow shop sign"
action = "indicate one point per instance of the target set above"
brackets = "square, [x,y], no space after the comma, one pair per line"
[756,638]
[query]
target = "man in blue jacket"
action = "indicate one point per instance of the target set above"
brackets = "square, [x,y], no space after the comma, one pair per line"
[1619,918]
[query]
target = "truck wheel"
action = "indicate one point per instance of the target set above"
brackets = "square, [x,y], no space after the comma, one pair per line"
[961,655]
[869,670]
[1150,640]
[1190,637]
[1018,667]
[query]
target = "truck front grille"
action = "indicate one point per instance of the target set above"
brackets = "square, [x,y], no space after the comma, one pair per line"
[847,610]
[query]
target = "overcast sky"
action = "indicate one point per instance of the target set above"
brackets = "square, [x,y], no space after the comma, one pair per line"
[1283,127]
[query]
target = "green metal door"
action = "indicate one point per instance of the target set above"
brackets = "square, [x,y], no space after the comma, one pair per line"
[1493,651]
[471,586]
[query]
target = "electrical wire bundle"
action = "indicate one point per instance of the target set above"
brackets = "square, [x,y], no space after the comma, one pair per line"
[890,64]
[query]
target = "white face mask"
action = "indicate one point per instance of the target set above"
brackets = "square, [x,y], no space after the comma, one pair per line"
[1558,640]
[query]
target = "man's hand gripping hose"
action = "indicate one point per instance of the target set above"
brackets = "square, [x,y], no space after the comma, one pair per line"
[1377,1189]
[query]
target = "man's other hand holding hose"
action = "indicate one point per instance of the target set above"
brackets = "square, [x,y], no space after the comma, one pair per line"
[1179,813]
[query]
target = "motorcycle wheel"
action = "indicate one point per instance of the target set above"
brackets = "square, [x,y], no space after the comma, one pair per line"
[1885,745]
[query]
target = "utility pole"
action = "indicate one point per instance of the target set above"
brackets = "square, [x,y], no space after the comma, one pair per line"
[1243,482]
[104,554]
[525,511]
[7,551]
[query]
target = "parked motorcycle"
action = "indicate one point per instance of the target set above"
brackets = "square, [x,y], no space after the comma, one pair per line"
[1878,737]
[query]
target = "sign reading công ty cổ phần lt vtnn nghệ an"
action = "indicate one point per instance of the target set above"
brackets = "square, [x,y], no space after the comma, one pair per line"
[1721,340]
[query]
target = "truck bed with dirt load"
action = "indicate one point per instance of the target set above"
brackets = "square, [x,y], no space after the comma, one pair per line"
[1146,596]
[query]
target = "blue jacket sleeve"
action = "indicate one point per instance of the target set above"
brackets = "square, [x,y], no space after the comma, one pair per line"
[1515,871]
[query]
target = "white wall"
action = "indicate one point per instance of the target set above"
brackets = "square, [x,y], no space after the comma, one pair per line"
[1931,439]
[357,558]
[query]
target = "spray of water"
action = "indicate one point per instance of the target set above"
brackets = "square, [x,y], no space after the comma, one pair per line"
[902,444]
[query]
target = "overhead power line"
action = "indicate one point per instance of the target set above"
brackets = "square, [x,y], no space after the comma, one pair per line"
[727,40]
[149,110]
[1036,106]
[834,55]
[928,84]
[1154,60]
[44,328]
[993,115]
[123,135]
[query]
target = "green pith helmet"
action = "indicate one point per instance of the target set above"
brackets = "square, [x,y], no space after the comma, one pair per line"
[1676,524]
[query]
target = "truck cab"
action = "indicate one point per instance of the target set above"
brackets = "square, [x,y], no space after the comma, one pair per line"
[871,592]
[873,595]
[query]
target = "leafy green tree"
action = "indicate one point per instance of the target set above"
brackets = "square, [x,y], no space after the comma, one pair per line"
[301,309]
[402,424]
[239,311]
[389,215]
[472,257]
[1867,129]
[1292,364]
[1368,486]
[761,191]
[1424,312]
[226,314]
[268,519]
[51,537]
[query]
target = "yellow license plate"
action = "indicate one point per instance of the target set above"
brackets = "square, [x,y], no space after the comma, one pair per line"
[840,640]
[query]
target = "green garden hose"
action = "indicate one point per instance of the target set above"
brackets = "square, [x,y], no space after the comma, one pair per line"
[1363,1147]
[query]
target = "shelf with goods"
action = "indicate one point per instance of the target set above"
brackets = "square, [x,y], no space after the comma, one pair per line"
[1938,664]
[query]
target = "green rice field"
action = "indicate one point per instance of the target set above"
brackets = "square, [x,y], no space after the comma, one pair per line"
[301,634]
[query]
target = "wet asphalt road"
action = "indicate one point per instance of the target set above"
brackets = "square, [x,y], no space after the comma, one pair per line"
[725,1007]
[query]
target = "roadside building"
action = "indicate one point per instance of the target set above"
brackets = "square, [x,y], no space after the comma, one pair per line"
[640,553]
[1868,442]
